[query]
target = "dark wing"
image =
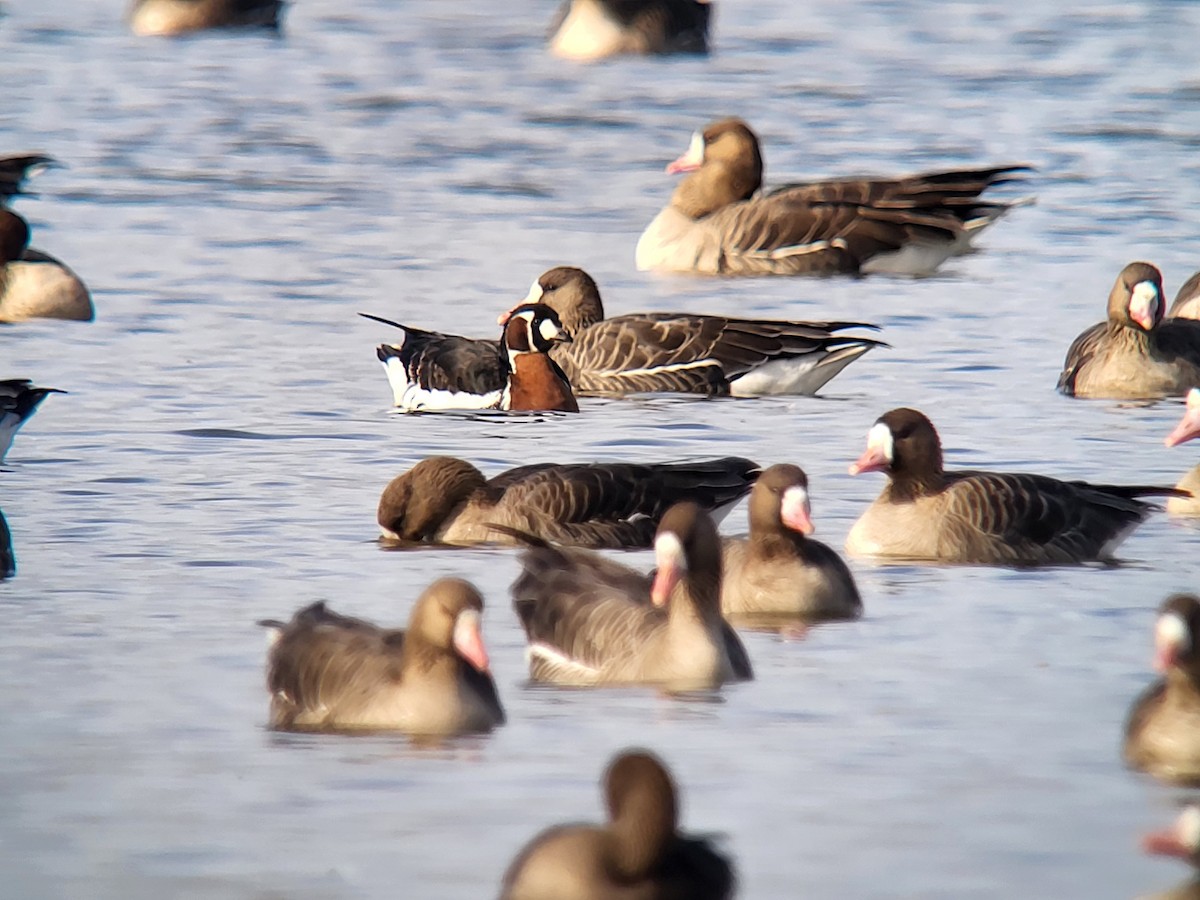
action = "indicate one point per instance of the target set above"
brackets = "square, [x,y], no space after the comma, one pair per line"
[663,26]
[1081,352]
[8,564]
[21,397]
[446,362]
[739,659]
[15,169]
[692,869]
[1178,340]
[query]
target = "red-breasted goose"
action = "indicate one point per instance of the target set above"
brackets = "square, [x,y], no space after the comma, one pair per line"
[1135,353]
[19,399]
[780,570]
[995,518]
[448,501]
[718,222]
[170,17]
[433,371]
[595,29]
[1187,301]
[592,621]
[1187,429]
[1162,733]
[331,672]
[34,284]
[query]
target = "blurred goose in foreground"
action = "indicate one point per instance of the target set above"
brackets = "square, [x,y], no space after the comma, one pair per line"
[592,621]
[1187,301]
[1162,733]
[327,671]
[718,223]
[779,570]
[1181,840]
[432,371]
[1188,428]
[170,17]
[448,501]
[993,518]
[638,853]
[19,399]
[1135,354]
[594,29]
[34,284]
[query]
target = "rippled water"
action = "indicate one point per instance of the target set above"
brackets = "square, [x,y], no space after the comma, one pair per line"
[233,201]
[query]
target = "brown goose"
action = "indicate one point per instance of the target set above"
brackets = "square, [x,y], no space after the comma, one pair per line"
[591,621]
[1135,354]
[926,512]
[1187,301]
[19,399]
[34,284]
[327,671]
[689,353]
[595,29]
[1162,733]
[718,223]
[169,17]
[1188,428]
[638,854]
[448,501]
[780,570]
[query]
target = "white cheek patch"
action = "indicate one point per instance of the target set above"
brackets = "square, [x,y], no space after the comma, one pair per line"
[1188,828]
[535,293]
[880,438]
[1172,631]
[548,329]
[668,550]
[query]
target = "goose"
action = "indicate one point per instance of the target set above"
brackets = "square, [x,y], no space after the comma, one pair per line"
[779,569]
[989,518]
[638,853]
[171,17]
[595,29]
[19,399]
[1188,428]
[8,563]
[447,500]
[1181,840]
[719,223]
[1135,354]
[34,284]
[332,672]
[432,371]
[590,621]
[1187,301]
[15,168]
[1162,732]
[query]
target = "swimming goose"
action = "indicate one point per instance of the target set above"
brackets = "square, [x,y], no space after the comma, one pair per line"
[779,570]
[19,399]
[432,371]
[718,223]
[448,501]
[171,17]
[993,518]
[1162,733]
[685,352]
[34,284]
[595,29]
[14,169]
[328,671]
[1135,354]
[637,853]
[592,621]
[1187,301]
[1188,428]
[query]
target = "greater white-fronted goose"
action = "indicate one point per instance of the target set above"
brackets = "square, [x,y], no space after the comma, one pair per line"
[1187,301]
[780,570]
[1162,733]
[689,353]
[993,518]
[639,854]
[448,501]
[170,17]
[718,223]
[34,284]
[591,621]
[19,399]
[595,29]
[1188,428]
[432,371]
[1135,354]
[331,672]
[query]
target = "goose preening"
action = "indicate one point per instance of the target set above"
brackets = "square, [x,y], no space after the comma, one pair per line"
[444,500]
[19,399]
[595,29]
[1136,353]
[779,570]
[638,854]
[432,371]
[1162,733]
[592,621]
[331,672]
[997,518]
[171,17]
[719,223]
[34,284]
[1188,428]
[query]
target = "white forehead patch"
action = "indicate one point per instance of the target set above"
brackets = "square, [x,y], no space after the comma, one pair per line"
[465,623]
[1188,827]
[548,329]
[880,438]
[1173,631]
[795,498]
[535,293]
[695,150]
[668,548]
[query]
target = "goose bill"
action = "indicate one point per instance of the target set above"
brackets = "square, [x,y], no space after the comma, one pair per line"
[692,160]
[1189,425]
[668,554]
[468,640]
[1171,638]
[1143,305]
[795,511]
[534,296]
